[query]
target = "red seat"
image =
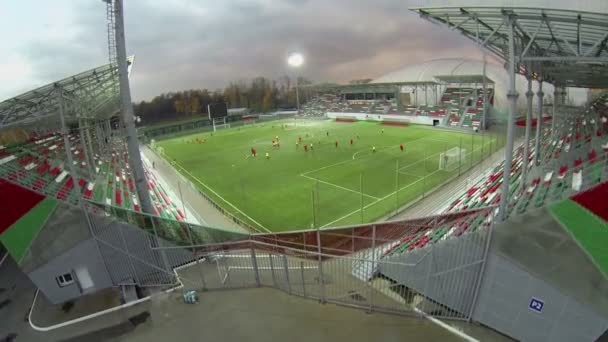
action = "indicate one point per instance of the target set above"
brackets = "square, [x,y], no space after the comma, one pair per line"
[592,156]
[39,184]
[65,189]
[118,197]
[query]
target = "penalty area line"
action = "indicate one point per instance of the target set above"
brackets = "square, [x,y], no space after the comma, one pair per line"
[222,198]
[340,187]
[375,202]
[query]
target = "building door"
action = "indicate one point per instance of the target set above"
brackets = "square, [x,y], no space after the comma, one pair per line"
[84,278]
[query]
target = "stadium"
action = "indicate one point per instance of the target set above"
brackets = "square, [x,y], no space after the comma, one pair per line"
[467,193]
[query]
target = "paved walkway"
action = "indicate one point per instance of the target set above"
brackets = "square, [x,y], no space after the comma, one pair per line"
[257,314]
[205,213]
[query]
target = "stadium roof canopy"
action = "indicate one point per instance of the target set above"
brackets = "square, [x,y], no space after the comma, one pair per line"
[388,87]
[566,47]
[464,79]
[93,94]
[372,87]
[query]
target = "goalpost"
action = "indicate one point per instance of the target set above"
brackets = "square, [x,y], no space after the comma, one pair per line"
[220,123]
[452,158]
[217,115]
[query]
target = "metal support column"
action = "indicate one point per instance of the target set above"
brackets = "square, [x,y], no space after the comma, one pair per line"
[108,129]
[529,97]
[128,118]
[539,121]
[512,96]
[371,288]
[66,139]
[485,94]
[90,145]
[554,117]
[297,95]
[320,266]
[482,270]
[86,148]
[100,137]
[426,101]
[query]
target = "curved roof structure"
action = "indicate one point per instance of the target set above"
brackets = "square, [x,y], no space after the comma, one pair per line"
[567,48]
[92,94]
[429,71]
[438,70]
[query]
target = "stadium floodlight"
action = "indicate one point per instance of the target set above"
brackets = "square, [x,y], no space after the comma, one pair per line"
[295,60]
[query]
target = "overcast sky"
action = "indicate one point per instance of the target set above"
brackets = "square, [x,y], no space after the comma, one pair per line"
[183,44]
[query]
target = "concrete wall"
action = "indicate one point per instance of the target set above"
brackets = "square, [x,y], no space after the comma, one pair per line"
[446,271]
[121,255]
[83,255]
[419,120]
[504,305]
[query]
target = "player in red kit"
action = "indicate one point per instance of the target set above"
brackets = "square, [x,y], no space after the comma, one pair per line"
[351,141]
[336,143]
[254,152]
[305,148]
[401,147]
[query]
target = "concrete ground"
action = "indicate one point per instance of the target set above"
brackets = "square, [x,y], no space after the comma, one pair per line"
[257,314]
[46,314]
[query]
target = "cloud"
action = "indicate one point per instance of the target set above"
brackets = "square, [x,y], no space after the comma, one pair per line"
[206,44]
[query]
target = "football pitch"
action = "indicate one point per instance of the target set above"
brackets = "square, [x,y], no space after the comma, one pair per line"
[327,185]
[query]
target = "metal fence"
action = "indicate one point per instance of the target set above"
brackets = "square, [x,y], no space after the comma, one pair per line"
[359,266]
[393,188]
[205,125]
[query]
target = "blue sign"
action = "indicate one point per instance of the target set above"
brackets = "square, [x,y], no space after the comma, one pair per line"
[536,305]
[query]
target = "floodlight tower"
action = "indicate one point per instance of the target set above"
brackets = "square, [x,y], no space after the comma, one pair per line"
[295,60]
[118,50]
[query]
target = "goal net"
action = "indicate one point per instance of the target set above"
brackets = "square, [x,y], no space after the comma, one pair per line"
[452,158]
[219,123]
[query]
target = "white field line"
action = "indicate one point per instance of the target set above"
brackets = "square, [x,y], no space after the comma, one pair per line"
[432,155]
[222,198]
[340,187]
[410,174]
[325,167]
[417,162]
[370,151]
[348,160]
[383,198]
[369,205]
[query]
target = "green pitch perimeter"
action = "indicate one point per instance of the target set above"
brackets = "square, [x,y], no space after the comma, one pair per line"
[326,186]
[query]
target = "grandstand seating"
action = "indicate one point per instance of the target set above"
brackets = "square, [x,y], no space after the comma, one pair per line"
[438,111]
[572,163]
[458,104]
[40,165]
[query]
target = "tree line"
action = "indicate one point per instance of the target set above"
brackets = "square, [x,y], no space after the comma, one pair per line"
[259,95]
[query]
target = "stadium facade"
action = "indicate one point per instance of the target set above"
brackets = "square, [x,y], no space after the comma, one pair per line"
[460,71]
[509,252]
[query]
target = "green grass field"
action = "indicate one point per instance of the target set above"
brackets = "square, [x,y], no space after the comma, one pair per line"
[327,186]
